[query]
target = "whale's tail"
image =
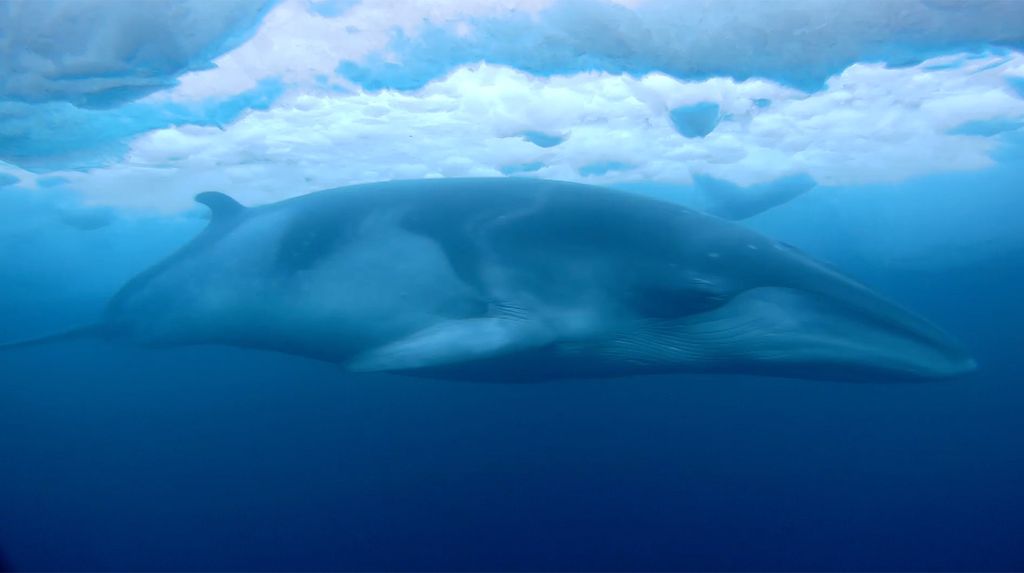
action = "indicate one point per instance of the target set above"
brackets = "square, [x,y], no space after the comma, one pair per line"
[77,333]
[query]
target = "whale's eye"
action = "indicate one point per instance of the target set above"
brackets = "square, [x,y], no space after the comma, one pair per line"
[678,300]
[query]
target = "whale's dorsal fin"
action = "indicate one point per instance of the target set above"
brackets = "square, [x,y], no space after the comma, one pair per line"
[221,206]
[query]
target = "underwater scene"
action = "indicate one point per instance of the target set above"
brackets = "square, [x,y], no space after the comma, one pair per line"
[511,285]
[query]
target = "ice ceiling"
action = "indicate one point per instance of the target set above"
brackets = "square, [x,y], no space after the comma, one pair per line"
[139,105]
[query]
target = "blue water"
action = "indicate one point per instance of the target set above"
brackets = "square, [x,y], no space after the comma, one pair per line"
[213,458]
[883,137]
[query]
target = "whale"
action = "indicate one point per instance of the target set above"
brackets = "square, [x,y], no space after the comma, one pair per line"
[517,280]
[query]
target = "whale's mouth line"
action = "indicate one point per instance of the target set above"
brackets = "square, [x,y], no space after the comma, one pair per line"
[901,321]
[785,328]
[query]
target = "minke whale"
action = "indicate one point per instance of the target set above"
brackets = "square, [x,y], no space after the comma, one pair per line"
[511,279]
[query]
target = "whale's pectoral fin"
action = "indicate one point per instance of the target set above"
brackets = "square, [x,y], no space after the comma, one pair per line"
[730,201]
[452,342]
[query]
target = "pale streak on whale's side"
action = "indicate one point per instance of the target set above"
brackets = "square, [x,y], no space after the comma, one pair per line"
[518,280]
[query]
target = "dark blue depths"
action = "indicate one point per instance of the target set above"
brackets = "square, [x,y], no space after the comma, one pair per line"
[214,458]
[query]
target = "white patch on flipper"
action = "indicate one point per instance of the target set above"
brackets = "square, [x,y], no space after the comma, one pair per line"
[452,342]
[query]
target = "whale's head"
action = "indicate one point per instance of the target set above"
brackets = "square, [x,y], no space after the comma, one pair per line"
[768,308]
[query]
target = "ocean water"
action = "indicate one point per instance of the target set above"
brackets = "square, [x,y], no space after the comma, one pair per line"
[218,458]
[895,157]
